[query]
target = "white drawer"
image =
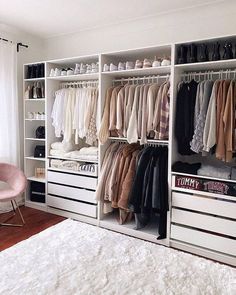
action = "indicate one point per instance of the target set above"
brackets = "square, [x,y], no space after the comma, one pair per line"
[202,239]
[72,206]
[205,222]
[72,193]
[204,204]
[72,179]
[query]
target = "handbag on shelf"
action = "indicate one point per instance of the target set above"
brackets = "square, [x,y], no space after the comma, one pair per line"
[40,132]
[39,151]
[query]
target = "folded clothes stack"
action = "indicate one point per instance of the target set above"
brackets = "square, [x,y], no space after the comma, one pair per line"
[223,172]
[85,153]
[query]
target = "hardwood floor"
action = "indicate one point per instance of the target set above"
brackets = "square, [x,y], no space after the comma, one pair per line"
[36,221]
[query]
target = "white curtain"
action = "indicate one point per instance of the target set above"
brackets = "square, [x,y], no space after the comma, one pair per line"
[9,119]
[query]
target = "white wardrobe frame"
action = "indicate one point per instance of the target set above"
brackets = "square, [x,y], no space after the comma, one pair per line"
[105,80]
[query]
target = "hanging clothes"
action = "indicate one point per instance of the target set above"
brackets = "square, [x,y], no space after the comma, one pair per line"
[134,181]
[130,111]
[74,114]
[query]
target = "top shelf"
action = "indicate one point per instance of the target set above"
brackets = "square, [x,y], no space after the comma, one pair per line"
[208,65]
[80,77]
[34,79]
[139,72]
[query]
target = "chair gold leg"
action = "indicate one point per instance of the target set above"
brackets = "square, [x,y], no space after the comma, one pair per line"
[14,209]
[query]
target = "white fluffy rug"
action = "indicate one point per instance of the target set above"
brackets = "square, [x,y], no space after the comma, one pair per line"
[75,258]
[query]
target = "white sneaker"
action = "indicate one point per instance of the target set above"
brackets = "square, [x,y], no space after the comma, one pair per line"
[147,63]
[106,68]
[63,72]
[129,65]
[77,69]
[70,71]
[156,64]
[165,62]
[94,68]
[83,68]
[57,72]
[88,69]
[113,67]
[138,64]
[121,66]
[52,73]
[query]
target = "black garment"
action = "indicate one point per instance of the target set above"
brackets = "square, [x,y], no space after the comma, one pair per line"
[149,193]
[184,120]
[186,167]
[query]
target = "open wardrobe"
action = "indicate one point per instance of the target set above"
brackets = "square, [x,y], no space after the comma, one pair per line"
[118,148]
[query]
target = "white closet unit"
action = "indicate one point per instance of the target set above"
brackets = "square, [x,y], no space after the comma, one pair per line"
[200,222]
[33,106]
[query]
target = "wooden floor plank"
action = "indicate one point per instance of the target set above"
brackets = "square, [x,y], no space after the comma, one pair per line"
[36,221]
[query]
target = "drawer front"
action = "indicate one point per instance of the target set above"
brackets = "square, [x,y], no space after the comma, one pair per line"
[72,193]
[72,179]
[72,206]
[205,222]
[203,204]
[206,240]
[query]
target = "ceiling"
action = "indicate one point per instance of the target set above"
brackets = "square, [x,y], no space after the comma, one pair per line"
[48,18]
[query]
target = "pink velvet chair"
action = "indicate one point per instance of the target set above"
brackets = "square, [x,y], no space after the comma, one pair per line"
[16,184]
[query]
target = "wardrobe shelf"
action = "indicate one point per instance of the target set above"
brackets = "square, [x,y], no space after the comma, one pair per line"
[203,177]
[35,205]
[80,77]
[148,233]
[155,141]
[34,119]
[35,159]
[208,65]
[35,139]
[35,99]
[34,79]
[73,159]
[139,72]
[37,179]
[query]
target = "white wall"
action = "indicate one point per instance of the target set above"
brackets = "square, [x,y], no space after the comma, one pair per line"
[35,52]
[197,23]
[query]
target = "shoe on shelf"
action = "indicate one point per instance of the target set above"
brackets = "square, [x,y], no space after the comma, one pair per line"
[156,63]
[69,71]
[88,69]
[228,51]
[192,53]
[113,67]
[29,72]
[38,90]
[129,65]
[94,68]
[138,64]
[52,73]
[63,72]
[121,66]
[83,68]
[106,68]
[182,54]
[147,63]
[34,72]
[165,62]
[57,72]
[77,69]
[203,53]
[216,51]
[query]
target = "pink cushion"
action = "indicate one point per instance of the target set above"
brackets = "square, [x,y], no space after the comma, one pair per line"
[15,179]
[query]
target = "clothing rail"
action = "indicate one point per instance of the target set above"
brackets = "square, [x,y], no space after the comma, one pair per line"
[153,142]
[145,78]
[79,84]
[209,74]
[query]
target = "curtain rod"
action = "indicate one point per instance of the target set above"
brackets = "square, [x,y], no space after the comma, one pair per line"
[18,44]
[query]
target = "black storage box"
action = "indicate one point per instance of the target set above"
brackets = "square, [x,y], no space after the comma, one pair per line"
[37,192]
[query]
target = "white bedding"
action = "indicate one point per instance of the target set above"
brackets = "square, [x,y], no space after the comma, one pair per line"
[76,258]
